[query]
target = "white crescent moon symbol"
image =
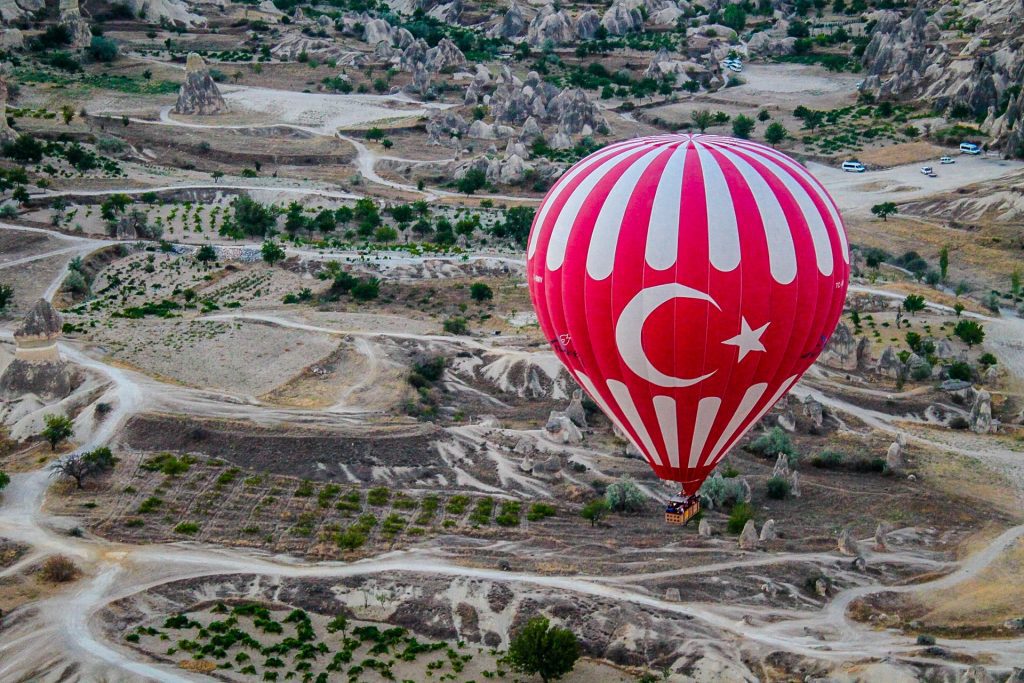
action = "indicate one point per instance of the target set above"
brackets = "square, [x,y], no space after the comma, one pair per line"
[630,326]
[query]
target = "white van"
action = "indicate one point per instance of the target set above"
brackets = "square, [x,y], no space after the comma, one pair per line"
[853,167]
[970,148]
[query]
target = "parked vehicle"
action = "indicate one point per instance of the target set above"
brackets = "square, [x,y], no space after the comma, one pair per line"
[947,160]
[970,148]
[853,167]
[928,171]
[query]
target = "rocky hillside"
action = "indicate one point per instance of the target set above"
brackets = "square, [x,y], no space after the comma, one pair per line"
[965,59]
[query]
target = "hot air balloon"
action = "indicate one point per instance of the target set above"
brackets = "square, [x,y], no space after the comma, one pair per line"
[686,282]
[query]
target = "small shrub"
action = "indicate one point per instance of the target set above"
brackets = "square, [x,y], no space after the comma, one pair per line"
[739,516]
[828,460]
[624,496]
[187,528]
[925,639]
[539,511]
[59,569]
[778,488]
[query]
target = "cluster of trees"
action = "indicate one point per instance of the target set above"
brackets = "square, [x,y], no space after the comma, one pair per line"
[78,466]
[623,496]
[742,125]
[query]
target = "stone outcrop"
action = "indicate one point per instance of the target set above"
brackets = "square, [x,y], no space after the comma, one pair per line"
[844,351]
[199,94]
[587,24]
[894,457]
[512,23]
[794,484]
[6,132]
[443,126]
[768,531]
[882,535]
[575,410]
[70,17]
[981,413]
[889,364]
[560,429]
[781,468]
[912,58]
[847,544]
[704,528]
[622,18]
[550,26]
[15,10]
[748,537]
[37,367]
[445,55]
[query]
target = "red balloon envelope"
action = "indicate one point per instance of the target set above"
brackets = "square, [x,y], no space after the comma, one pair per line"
[686,282]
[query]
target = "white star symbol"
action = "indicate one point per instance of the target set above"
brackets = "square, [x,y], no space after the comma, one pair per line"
[748,339]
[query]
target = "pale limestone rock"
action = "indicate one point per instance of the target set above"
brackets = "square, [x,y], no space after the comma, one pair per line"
[748,537]
[199,94]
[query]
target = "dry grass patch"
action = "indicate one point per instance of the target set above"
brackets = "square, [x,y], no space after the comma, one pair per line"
[900,154]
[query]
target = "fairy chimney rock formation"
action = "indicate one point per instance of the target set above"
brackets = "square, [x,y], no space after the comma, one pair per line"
[37,367]
[199,94]
[6,132]
[71,18]
[748,537]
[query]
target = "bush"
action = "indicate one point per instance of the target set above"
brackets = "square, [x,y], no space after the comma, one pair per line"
[59,569]
[739,516]
[5,480]
[456,325]
[987,359]
[925,639]
[624,496]
[828,460]
[778,488]
[772,443]
[960,370]
[537,511]
[481,292]
[366,290]
[720,492]
[102,49]
[187,528]
[547,651]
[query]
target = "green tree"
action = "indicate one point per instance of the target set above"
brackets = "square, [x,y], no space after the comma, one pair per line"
[594,511]
[970,332]
[734,17]
[624,496]
[294,218]
[702,118]
[6,296]
[742,126]
[544,650]
[252,218]
[206,254]
[4,480]
[516,225]
[1015,282]
[813,119]
[884,210]
[481,292]
[913,303]
[272,252]
[102,49]
[474,180]
[78,466]
[775,133]
[67,112]
[944,262]
[57,428]
[958,308]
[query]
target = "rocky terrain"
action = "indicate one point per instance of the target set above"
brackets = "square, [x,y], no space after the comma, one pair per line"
[271,256]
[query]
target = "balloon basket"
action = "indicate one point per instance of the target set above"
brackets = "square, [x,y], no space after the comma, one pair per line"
[680,509]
